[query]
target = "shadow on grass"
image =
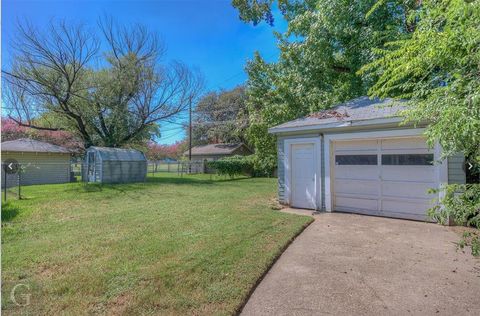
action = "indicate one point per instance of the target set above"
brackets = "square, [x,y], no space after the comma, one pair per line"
[151,181]
[87,188]
[186,179]
[9,211]
[178,180]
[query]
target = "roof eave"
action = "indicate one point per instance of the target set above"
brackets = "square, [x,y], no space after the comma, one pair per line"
[35,151]
[336,125]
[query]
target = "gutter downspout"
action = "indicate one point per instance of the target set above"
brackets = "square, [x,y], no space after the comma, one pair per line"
[322,172]
[322,176]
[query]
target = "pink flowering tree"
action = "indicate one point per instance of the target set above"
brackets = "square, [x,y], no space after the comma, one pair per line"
[160,152]
[11,131]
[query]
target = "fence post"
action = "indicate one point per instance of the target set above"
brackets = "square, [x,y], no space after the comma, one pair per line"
[19,193]
[4,183]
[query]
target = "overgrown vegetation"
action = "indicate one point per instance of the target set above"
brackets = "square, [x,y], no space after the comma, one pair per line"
[176,246]
[233,166]
[461,204]
[242,165]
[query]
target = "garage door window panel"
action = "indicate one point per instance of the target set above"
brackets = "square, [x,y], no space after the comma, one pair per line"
[407,160]
[357,160]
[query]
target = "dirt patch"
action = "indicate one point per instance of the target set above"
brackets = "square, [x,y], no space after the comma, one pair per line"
[120,304]
[49,271]
[460,230]
[274,204]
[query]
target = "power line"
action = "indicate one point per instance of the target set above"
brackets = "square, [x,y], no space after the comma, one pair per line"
[238,74]
[172,129]
[164,137]
[216,122]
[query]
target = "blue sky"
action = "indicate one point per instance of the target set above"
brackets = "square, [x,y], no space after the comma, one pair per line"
[206,34]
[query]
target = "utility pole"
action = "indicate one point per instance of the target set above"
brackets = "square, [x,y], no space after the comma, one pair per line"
[190,136]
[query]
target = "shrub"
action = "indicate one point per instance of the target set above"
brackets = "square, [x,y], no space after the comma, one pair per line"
[263,167]
[233,166]
[461,204]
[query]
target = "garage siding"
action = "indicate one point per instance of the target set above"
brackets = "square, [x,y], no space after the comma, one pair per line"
[40,168]
[281,169]
[456,172]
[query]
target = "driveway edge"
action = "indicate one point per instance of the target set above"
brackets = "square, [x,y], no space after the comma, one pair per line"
[239,309]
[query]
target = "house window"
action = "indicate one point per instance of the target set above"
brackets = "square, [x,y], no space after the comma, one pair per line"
[356,159]
[407,160]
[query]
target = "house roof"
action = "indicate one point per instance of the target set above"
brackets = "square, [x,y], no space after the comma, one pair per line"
[346,114]
[31,145]
[118,154]
[215,149]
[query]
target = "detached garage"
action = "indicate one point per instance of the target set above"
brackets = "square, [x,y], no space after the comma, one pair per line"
[42,163]
[357,158]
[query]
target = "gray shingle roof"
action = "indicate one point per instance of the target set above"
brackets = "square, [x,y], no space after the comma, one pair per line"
[359,109]
[31,145]
[118,154]
[215,149]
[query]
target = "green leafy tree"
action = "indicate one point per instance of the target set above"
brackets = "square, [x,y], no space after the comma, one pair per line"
[221,117]
[437,70]
[325,45]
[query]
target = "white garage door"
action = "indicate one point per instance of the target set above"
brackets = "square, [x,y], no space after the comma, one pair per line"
[303,193]
[385,177]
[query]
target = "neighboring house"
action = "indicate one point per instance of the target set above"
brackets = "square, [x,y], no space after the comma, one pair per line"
[217,151]
[41,162]
[357,158]
[114,165]
[203,153]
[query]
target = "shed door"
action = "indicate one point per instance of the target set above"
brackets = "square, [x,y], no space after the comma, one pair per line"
[91,167]
[386,177]
[303,193]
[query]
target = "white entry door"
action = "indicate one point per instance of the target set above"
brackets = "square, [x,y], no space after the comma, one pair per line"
[303,183]
[386,177]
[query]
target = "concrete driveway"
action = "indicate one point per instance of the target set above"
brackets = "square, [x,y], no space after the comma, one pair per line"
[345,264]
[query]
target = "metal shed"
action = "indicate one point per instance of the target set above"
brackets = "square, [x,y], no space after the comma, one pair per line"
[114,165]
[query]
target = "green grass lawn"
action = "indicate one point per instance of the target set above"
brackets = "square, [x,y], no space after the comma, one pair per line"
[173,245]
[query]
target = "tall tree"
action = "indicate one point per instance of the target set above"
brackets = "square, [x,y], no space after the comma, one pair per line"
[221,117]
[437,69]
[325,45]
[60,79]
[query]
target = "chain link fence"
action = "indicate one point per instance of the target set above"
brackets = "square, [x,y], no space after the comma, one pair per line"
[16,174]
[179,167]
[34,173]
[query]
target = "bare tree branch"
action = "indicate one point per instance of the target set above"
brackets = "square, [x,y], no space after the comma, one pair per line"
[55,74]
